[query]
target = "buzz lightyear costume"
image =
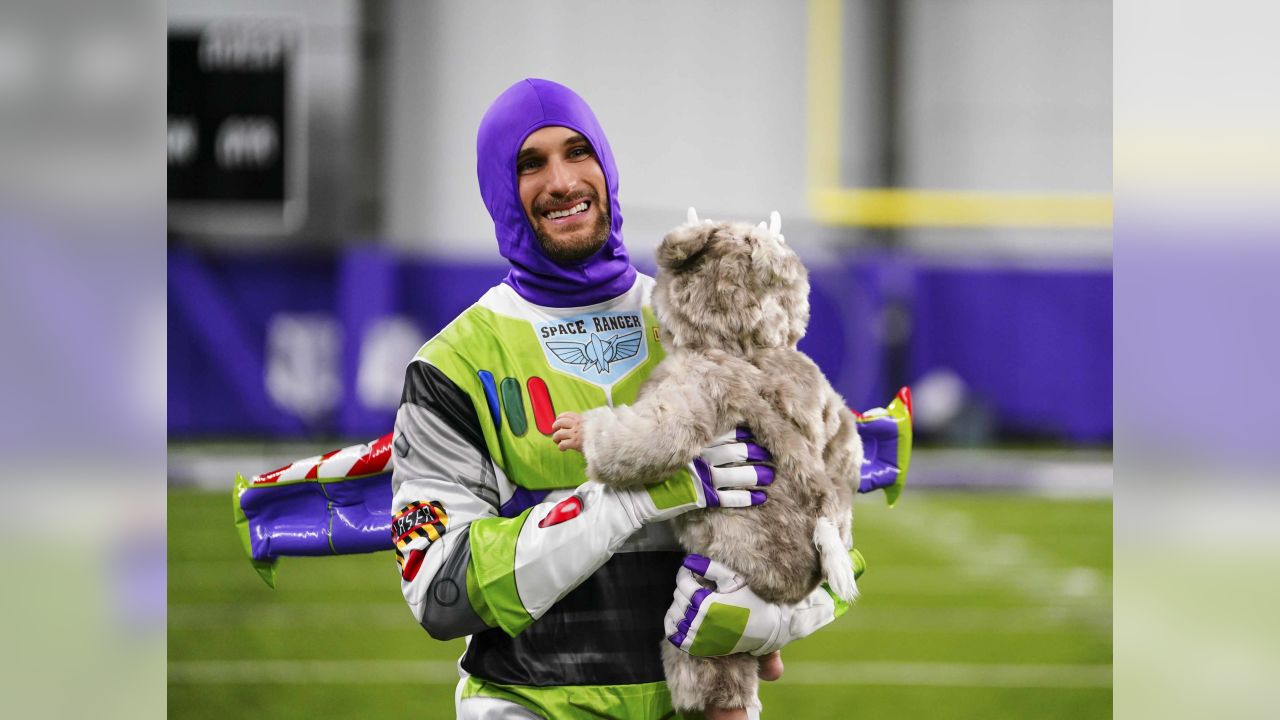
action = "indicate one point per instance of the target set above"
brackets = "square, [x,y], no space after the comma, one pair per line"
[563,587]
[561,584]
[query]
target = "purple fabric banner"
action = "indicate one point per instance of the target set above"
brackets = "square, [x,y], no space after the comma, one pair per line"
[1032,345]
[274,345]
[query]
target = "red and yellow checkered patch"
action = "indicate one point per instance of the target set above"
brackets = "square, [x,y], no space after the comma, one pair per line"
[417,520]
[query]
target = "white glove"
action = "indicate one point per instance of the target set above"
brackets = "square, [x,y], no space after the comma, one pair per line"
[716,478]
[728,618]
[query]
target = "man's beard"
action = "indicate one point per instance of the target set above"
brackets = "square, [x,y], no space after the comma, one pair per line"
[569,251]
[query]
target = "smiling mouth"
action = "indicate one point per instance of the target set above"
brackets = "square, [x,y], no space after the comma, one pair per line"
[567,212]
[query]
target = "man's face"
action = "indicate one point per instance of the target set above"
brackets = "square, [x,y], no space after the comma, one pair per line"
[561,186]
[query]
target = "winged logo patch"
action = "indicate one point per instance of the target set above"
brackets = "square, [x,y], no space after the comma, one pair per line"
[598,353]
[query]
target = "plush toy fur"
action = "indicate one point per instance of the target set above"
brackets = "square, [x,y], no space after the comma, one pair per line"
[732,302]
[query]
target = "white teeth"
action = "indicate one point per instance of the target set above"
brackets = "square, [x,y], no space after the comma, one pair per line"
[580,207]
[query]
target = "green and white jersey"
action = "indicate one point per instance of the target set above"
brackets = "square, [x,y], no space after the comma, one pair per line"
[554,589]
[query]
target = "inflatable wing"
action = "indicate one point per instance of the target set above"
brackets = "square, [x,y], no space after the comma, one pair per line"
[886,446]
[339,503]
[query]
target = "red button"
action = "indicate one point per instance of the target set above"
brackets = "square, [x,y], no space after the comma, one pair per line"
[567,509]
[544,414]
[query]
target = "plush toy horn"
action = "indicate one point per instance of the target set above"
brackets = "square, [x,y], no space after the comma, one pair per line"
[692,217]
[775,223]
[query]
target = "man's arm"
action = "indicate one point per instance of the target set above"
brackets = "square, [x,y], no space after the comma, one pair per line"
[443,481]
[464,567]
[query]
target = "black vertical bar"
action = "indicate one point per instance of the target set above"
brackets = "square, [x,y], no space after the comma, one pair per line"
[371,38]
[896,318]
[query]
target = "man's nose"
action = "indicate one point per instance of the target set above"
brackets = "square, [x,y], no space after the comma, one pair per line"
[562,179]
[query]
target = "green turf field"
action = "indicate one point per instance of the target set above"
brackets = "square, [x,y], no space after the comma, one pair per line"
[973,606]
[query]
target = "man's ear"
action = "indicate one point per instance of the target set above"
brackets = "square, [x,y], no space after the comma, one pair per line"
[682,245]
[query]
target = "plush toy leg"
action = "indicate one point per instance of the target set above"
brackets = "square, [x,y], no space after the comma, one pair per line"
[720,682]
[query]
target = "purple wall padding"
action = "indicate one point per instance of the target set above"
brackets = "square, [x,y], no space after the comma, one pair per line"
[218,312]
[1034,346]
[844,302]
[368,285]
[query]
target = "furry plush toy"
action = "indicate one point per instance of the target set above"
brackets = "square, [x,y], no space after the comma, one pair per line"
[732,301]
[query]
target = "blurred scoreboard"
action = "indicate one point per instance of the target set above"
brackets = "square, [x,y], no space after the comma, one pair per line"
[234,129]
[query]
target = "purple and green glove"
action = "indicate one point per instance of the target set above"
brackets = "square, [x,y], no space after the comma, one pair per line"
[710,482]
[726,617]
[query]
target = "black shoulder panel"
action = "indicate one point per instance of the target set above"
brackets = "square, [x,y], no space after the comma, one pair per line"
[429,388]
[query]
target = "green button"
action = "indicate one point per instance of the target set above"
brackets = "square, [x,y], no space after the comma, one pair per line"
[513,406]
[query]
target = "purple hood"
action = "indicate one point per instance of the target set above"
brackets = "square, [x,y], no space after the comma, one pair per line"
[523,108]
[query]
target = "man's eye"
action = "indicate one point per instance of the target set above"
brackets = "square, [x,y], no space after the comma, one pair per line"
[528,166]
[580,152]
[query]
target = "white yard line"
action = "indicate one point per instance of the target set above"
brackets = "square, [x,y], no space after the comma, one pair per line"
[948,674]
[311,672]
[984,620]
[392,672]
[977,556]
[290,615]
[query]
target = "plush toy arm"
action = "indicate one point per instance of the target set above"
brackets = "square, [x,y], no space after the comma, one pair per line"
[628,446]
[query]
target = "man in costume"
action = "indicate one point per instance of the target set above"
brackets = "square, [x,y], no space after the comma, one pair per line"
[561,583]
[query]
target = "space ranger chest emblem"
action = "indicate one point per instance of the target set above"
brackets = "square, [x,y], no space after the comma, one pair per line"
[598,353]
[598,347]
